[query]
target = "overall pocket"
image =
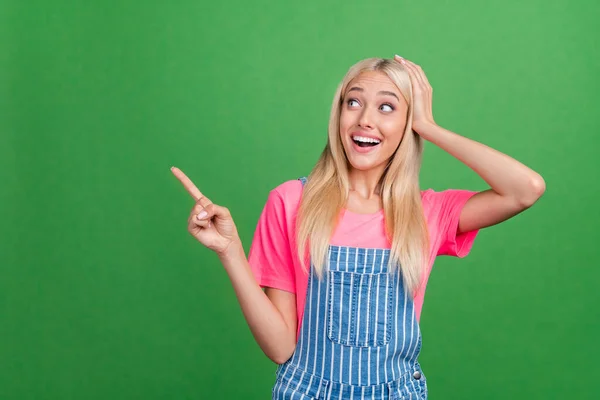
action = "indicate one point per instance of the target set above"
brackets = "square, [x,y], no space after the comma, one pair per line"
[359,310]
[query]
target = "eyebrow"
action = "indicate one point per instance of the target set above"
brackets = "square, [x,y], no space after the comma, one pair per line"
[384,92]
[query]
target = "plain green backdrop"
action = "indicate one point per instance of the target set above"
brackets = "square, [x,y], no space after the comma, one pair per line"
[105,295]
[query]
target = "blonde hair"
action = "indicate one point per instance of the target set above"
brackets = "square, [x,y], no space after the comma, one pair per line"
[326,191]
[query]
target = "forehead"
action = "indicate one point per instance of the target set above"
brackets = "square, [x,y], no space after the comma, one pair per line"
[373,81]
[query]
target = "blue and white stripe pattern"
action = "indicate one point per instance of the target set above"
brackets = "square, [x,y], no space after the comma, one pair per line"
[359,337]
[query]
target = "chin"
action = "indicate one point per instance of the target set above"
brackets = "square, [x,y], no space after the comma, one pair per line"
[361,166]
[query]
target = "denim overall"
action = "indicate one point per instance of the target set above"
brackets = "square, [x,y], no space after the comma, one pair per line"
[359,337]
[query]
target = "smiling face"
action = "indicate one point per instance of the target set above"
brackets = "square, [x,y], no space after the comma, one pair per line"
[372,120]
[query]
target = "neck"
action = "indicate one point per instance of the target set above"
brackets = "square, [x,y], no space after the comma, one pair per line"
[365,183]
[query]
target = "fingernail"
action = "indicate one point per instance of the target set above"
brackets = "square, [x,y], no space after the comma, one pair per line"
[202,215]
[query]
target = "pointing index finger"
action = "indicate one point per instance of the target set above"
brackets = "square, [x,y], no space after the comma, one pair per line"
[187,183]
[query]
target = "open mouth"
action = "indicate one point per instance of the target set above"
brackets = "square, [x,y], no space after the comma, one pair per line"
[362,141]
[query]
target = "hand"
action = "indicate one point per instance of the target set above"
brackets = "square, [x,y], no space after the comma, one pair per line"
[209,223]
[422,96]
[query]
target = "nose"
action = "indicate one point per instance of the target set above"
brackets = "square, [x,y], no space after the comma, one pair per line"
[365,119]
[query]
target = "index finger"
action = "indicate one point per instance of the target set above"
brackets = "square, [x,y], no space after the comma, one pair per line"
[187,183]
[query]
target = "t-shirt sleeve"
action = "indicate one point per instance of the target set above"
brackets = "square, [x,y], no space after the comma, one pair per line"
[446,207]
[270,256]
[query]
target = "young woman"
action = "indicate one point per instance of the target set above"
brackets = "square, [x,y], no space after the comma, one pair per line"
[344,255]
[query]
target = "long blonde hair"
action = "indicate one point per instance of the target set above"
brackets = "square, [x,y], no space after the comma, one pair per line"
[326,191]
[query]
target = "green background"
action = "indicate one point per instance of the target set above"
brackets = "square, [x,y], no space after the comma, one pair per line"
[104,294]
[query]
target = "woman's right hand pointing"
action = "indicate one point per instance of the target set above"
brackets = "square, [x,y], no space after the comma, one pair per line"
[209,223]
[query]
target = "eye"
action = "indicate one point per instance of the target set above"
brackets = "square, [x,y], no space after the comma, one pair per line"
[351,101]
[388,106]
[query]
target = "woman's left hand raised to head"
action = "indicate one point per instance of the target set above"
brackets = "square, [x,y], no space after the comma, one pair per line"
[422,96]
[513,186]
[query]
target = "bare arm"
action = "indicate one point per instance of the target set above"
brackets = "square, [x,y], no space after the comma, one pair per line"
[271,315]
[513,186]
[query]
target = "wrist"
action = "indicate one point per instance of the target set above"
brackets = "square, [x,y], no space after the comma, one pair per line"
[232,251]
[425,129]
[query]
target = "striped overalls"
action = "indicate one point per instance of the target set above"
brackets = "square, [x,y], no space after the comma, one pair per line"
[359,337]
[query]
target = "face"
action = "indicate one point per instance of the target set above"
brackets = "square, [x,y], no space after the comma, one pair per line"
[372,120]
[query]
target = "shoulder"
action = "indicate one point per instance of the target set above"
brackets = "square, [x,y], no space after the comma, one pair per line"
[291,189]
[432,199]
[429,197]
[285,196]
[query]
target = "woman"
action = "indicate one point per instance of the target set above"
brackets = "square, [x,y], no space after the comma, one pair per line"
[344,256]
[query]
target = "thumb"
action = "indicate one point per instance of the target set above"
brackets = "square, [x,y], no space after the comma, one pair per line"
[218,212]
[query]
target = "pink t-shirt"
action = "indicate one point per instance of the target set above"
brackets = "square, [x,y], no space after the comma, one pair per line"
[273,255]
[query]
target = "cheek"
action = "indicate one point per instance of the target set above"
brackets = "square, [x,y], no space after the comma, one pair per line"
[345,121]
[394,129]
[345,127]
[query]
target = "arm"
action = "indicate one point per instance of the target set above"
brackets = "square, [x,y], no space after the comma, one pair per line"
[271,315]
[514,187]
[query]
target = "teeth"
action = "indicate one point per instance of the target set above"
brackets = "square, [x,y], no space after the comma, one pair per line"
[366,139]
